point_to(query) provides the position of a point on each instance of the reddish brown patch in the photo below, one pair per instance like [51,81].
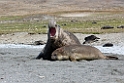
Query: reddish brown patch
[52,31]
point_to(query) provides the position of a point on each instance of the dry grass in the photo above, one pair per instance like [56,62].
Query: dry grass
[96,30]
[29,23]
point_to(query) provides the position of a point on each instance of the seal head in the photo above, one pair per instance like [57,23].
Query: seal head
[54,30]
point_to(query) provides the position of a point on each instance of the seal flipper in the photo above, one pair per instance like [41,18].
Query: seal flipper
[40,55]
[112,57]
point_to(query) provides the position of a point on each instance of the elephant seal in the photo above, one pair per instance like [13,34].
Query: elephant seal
[57,38]
[79,52]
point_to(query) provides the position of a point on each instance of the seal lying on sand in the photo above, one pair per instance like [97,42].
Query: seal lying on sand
[57,38]
[79,52]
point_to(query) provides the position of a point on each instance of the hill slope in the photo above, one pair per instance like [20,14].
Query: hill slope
[23,7]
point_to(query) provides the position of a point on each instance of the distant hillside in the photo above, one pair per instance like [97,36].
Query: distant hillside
[23,7]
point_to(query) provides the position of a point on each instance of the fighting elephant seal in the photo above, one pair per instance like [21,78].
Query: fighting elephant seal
[57,38]
[79,52]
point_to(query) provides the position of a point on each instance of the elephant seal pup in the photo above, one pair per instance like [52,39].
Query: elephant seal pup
[79,52]
[57,38]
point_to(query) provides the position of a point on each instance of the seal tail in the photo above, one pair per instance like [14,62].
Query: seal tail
[112,58]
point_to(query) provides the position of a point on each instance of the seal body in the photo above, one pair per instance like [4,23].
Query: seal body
[57,38]
[78,52]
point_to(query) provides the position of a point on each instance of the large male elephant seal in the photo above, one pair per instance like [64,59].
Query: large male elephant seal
[78,52]
[57,38]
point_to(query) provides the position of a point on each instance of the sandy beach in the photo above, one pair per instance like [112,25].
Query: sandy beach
[18,65]
[17,52]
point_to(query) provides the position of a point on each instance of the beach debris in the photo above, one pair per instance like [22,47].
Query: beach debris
[42,76]
[94,22]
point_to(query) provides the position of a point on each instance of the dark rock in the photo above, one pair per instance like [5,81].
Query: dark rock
[31,33]
[94,22]
[74,21]
[64,24]
[90,39]
[107,27]
[39,42]
[44,26]
[120,26]
[108,45]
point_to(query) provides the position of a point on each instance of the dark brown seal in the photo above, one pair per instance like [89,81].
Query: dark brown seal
[90,39]
[79,52]
[57,38]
